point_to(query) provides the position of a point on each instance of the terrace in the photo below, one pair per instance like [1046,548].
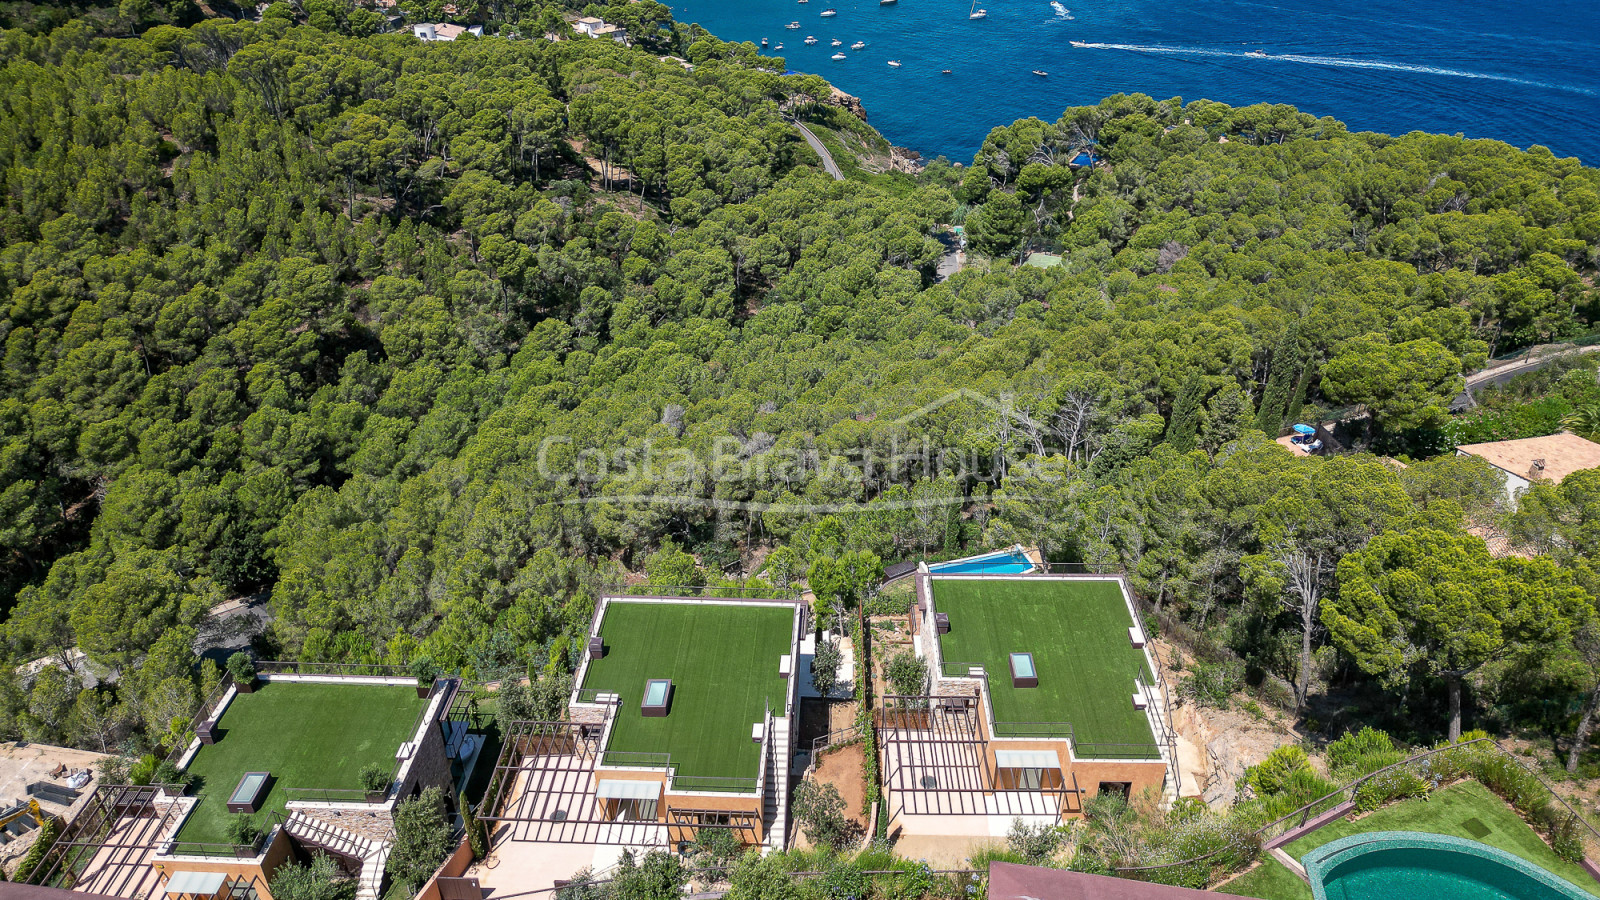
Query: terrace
[306,736]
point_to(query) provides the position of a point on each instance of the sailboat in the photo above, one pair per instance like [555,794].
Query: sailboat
[976,12]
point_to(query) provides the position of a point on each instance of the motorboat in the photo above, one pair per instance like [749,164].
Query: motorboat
[1041,74]
[1257,53]
[859,45]
[778,46]
[837,42]
[793,26]
[810,40]
[944,71]
[1079,44]
[894,63]
[840,56]
[829,13]
[763,42]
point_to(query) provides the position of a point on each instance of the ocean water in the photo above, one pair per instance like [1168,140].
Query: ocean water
[1525,73]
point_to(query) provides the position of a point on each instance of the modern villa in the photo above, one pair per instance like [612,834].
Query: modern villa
[1042,695]
[288,752]
[679,721]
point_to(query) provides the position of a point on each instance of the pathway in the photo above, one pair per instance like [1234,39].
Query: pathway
[828,164]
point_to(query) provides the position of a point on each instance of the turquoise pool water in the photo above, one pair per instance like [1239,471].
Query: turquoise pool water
[1416,866]
[1006,561]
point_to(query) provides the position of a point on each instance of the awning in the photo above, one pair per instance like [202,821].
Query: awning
[1026,759]
[196,882]
[629,790]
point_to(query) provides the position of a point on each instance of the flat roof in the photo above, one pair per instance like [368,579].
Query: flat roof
[305,735]
[722,659]
[1562,453]
[1077,631]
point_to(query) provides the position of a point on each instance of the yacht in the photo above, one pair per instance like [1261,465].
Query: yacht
[887,2]
[944,71]
[894,63]
[778,46]
[810,40]
[793,26]
[839,56]
[829,13]
[1079,44]
[1041,74]
[837,42]
[1257,52]
[859,45]
[763,42]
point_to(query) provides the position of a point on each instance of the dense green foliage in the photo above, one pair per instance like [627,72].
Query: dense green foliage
[432,341]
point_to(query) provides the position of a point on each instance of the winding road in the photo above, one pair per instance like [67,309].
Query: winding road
[828,164]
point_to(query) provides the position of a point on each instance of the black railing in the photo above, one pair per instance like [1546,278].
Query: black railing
[291,667]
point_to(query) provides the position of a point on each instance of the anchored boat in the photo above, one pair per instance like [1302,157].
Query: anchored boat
[829,13]
[839,56]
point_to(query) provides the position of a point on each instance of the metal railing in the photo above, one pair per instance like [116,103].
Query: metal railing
[336,795]
[291,667]
[1129,750]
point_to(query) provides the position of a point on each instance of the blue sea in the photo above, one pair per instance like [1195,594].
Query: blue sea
[1525,73]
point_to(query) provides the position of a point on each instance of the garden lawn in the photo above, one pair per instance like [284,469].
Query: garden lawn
[723,661]
[1077,632]
[1268,881]
[306,735]
[1466,810]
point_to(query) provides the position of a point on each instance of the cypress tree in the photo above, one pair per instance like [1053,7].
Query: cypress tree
[1301,387]
[1275,396]
[1184,427]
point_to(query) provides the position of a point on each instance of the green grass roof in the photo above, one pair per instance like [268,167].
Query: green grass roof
[306,735]
[1077,632]
[723,662]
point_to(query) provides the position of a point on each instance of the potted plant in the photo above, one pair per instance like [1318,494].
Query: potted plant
[375,781]
[242,669]
[427,671]
[244,834]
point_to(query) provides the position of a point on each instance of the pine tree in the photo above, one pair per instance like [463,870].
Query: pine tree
[1184,427]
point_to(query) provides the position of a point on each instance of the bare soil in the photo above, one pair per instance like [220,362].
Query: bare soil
[842,769]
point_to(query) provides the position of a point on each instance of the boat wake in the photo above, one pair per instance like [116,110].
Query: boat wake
[1334,61]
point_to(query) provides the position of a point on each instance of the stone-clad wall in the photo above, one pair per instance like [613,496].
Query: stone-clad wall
[430,767]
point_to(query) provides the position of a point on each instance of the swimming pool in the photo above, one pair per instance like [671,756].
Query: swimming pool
[1418,866]
[1012,561]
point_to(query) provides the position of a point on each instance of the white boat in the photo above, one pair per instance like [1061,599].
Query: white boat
[763,42]
[810,40]
[1258,53]
[894,63]
[840,56]
[837,42]
[1078,43]
[859,45]
[793,26]
[829,13]
[887,2]
[944,71]
[779,46]
[1061,11]
[976,12]
[1041,74]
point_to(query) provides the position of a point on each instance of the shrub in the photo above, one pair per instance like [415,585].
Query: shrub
[318,881]
[477,835]
[842,880]
[241,668]
[658,874]
[715,847]
[1565,836]
[1034,843]
[425,670]
[144,770]
[825,665]
[1271,775]
[48,832]
[243,830]
[1213,683]
[907,675]
[820,811]
[1395,784]
[421,839]
[1358,753]
[375,777]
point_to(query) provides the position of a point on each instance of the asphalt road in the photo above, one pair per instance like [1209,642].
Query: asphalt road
[828,164]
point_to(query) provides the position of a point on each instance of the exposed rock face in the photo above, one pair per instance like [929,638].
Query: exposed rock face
[902,159]
[853,104]
[1232,742]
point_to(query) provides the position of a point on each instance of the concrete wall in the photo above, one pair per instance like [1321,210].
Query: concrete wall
[257,871]
[454,865]
[745,803]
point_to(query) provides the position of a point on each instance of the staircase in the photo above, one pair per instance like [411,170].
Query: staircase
[775,827]
[372,855]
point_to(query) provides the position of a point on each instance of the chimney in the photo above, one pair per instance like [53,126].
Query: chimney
[1536,471]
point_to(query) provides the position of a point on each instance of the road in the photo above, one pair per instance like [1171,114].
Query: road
[1503,373]
[828,164]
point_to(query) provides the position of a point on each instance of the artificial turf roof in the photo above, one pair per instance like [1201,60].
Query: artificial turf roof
[723,662]
[306,735]
[1077,632]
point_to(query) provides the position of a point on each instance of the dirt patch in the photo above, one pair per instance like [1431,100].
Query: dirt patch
[842,769]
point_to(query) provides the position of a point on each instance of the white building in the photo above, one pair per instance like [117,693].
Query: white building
[444,31]
[600,28]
